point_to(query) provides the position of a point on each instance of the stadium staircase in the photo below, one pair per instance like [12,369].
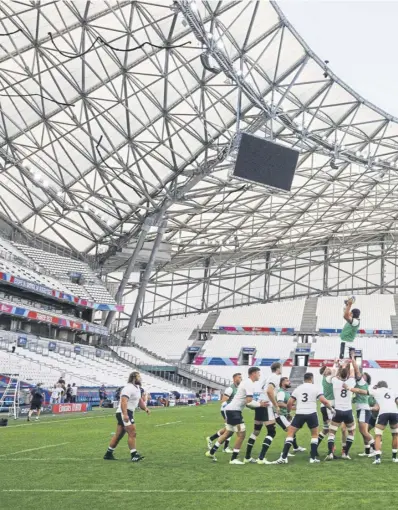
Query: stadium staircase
[309,319]
[394,318]
[297,376]
[199,340]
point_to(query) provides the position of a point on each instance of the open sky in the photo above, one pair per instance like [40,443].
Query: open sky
[359,38]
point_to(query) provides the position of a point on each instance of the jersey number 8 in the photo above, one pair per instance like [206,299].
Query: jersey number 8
[343,393]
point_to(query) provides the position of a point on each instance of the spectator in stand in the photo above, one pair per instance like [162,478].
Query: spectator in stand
[68,395]
[54,395]
[13,346]
[74,393]
[62,391]
[102,394]
[36,402]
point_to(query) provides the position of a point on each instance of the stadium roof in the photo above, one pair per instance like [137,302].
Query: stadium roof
[96,136]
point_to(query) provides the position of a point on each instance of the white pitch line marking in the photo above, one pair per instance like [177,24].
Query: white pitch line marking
[62,420]
[215,491]
[34,449]
[168,423]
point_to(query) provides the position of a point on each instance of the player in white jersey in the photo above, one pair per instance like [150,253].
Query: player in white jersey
[130,399]
[266,415]
[343,407]
[305,397]
[387,400]
[233,411]
[227,397]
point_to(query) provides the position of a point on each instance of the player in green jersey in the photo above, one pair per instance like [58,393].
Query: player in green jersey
[362,407]
[351,327]
[227,397]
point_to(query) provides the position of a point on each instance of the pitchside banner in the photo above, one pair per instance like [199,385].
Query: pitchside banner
[70,408]
[24,410]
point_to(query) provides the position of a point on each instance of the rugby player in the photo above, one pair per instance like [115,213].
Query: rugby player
[351,327]
[233,411]
[284,418]
[387,400]
[130,398]
[227,397]
[343,407]
[361,402]
[266,415]
[305,397]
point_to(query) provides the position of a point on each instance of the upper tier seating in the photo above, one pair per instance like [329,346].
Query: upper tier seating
[376,311]
[33,276]
[60,267]
[268,346]
[279,314]
[168,339]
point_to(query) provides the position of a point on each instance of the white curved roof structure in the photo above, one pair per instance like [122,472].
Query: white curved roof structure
[99,129]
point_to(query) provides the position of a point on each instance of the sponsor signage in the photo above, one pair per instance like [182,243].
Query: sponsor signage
[98,353]
[70,408]
[52,319]
[22,341]
[46,409]
[194,349]
[77,349]
[303,350]
[248,350]
[56,294]
[52,346]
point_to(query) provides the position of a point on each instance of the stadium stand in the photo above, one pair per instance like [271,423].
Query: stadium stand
[168,339]
[61,267]
[141,356]
[373,348]
[376,311]
[267,346]
[286,314]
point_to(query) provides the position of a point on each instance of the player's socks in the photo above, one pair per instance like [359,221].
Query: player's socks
[250,444]
[226,443]
[109,454]
[344,448]
[266,444]
[288,444]
[350,440]
[367,449]
[133,452]
[321,437]
[342,349]
[372,444]
[215,447]
[215,436]
[330,445]
[295,445]
[235,454]
[378,454]
[394,454]
[314,448]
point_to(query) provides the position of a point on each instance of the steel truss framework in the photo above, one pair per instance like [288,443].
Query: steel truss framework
[96,138]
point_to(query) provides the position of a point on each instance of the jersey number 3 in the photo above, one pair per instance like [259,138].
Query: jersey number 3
[305,397]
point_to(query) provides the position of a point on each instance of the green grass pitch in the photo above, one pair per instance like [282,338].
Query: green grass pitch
[57,464]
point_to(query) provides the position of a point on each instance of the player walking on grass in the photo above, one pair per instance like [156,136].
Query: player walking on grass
[229,394]
[387,400]
[351,327]
[343,407]
[130,398]
[361,402]
[305,397]
[233,411]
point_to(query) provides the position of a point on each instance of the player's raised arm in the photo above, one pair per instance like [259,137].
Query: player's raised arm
[347,311]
